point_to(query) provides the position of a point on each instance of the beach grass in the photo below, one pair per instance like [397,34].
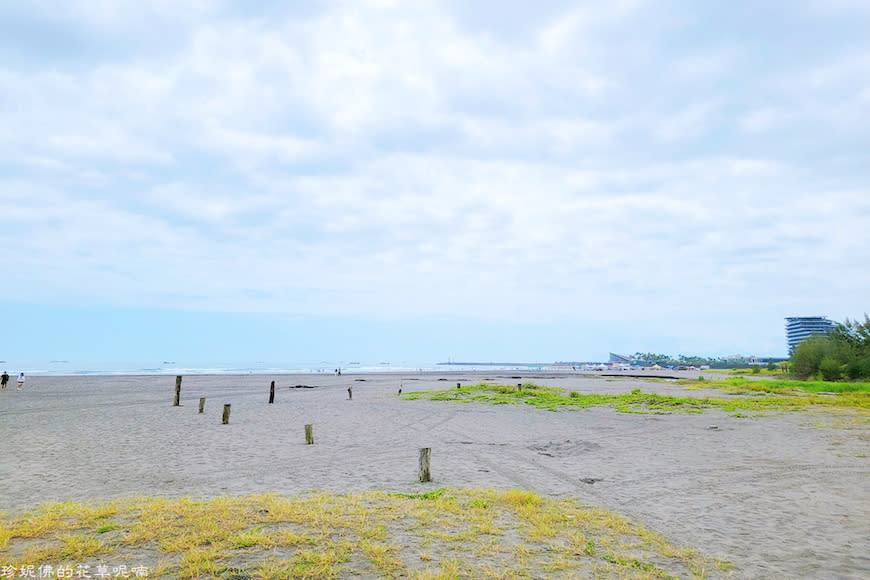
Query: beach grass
[444,533]
[780,386]
[761,370]
[637,401]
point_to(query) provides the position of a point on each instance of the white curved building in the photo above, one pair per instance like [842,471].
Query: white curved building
[799,328]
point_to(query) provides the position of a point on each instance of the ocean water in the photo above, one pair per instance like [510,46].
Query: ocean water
[71,368]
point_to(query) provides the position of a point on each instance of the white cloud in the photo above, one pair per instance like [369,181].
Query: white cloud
[839,7]
[113,16]
[707,66]
[690,123]
[763,120]
[390,160]
[566,30]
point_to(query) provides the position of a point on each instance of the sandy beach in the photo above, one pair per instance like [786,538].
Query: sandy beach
[777,496]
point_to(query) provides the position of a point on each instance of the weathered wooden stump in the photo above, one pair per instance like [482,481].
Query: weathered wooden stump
[177,391]
[309,434]
[425,454]
[458,385]
[201,404]
[272,393]
[519,386]
[226,417]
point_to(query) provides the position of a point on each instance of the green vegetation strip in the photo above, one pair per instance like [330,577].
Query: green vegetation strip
[780,386]
[445,533]
[552,398]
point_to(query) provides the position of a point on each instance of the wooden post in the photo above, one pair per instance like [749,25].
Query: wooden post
[177,391]
[226,418]
[201,404]
[272,393]
[350,393]
[309,434]
[457,385]
[425,454]
[519,386]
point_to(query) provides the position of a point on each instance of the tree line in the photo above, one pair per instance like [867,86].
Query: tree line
[650,358]
[844,353]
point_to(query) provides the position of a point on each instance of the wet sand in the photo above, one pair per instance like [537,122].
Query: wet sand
[777,496]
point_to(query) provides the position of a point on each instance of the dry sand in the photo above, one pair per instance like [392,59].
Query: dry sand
[777,496]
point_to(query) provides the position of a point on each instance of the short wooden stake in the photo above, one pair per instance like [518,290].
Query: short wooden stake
[457,385]
[226,418]
[177,391]
[201,404]
[350,392]
[519,386]
[309,434]
[272,393]
[425,454]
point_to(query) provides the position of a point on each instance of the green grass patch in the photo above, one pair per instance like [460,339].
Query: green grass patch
[762,371]
[452,534]
[783,386]
[434,494]
[551,398]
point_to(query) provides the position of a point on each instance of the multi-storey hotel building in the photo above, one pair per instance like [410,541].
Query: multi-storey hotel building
[799,328]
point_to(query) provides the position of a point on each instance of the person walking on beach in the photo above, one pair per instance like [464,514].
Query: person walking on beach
[4,380]
[20,380]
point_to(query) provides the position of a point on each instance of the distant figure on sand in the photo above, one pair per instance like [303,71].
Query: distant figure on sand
[350,392]
[20,381]
[4,379]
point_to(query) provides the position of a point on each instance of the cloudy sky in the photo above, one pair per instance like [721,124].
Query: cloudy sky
[379,180]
